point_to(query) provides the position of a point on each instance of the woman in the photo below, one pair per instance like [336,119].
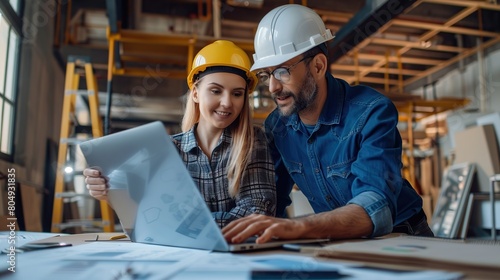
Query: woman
[226,155]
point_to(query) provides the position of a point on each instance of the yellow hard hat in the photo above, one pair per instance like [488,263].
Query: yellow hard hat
[222,56]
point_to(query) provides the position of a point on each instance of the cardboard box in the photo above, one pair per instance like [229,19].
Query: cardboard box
[427,206]
[426,176]
[478,144]
[32,208]
[493,119]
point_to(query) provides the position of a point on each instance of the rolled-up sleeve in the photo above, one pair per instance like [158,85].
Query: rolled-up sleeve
[376,207]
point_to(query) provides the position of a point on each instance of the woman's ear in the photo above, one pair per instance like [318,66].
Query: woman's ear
[194,93]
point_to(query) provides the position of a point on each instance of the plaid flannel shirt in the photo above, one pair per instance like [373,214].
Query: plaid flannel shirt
[257,193]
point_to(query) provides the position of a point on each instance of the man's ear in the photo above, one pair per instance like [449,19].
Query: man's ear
[320,64]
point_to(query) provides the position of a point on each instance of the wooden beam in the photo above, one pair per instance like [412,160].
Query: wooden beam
[419,109]
[344,67]
[141,72]
[436,28]
[177,60]
[408,60]
[415,45]
[241,24]
[351,79]
[334,16]
[433,27]
[480,4]
[134,36]
[139,46]
[455,59]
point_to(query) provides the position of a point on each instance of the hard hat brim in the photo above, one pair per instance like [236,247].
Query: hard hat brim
[272,61]
[275,60]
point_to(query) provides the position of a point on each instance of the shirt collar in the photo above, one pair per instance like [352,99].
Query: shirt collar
[189,139]
[332,109]
[335,98]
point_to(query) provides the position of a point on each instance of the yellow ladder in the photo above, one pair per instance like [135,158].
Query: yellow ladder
[77,65]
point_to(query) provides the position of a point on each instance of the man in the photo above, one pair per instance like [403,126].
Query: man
[338,143]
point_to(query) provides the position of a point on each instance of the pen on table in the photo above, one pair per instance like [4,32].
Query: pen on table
[92,240]
[292,247]
[116,237]
[302,248]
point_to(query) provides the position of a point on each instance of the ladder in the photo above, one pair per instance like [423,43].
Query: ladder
[77,66]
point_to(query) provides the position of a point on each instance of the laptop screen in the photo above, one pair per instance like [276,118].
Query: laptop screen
[151,191]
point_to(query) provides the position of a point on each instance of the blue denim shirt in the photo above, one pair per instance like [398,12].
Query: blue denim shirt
[351,156]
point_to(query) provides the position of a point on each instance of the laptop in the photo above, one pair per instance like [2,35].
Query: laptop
[153,194]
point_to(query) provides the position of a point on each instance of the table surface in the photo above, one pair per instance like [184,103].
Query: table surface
[77,239]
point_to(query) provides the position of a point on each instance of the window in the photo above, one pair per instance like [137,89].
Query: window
[9,60]
[15,5]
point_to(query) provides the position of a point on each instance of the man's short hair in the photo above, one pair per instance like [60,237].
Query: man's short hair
[321,48]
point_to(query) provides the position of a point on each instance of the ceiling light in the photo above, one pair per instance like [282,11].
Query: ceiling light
[246,3]
[68,169]
[426,44]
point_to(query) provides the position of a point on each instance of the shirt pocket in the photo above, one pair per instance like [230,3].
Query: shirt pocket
[296,171]
[340,177]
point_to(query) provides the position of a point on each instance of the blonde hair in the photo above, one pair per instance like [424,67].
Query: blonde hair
[242,138]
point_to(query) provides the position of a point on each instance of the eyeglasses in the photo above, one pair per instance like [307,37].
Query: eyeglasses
[281,74]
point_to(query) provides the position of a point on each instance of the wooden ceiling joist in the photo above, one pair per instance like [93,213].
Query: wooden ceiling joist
[436,28]
[414,45]
[483,4]
[463,55]
[353,68]
[423,42]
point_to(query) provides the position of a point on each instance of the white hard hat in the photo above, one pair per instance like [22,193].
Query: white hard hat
[285,32]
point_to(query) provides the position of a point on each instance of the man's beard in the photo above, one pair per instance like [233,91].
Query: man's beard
[306,96]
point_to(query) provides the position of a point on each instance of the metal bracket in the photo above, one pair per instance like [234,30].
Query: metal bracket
[493,180]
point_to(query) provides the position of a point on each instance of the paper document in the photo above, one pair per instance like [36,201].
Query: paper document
[22,237]
[105,260]
[419,251]
[218,266]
